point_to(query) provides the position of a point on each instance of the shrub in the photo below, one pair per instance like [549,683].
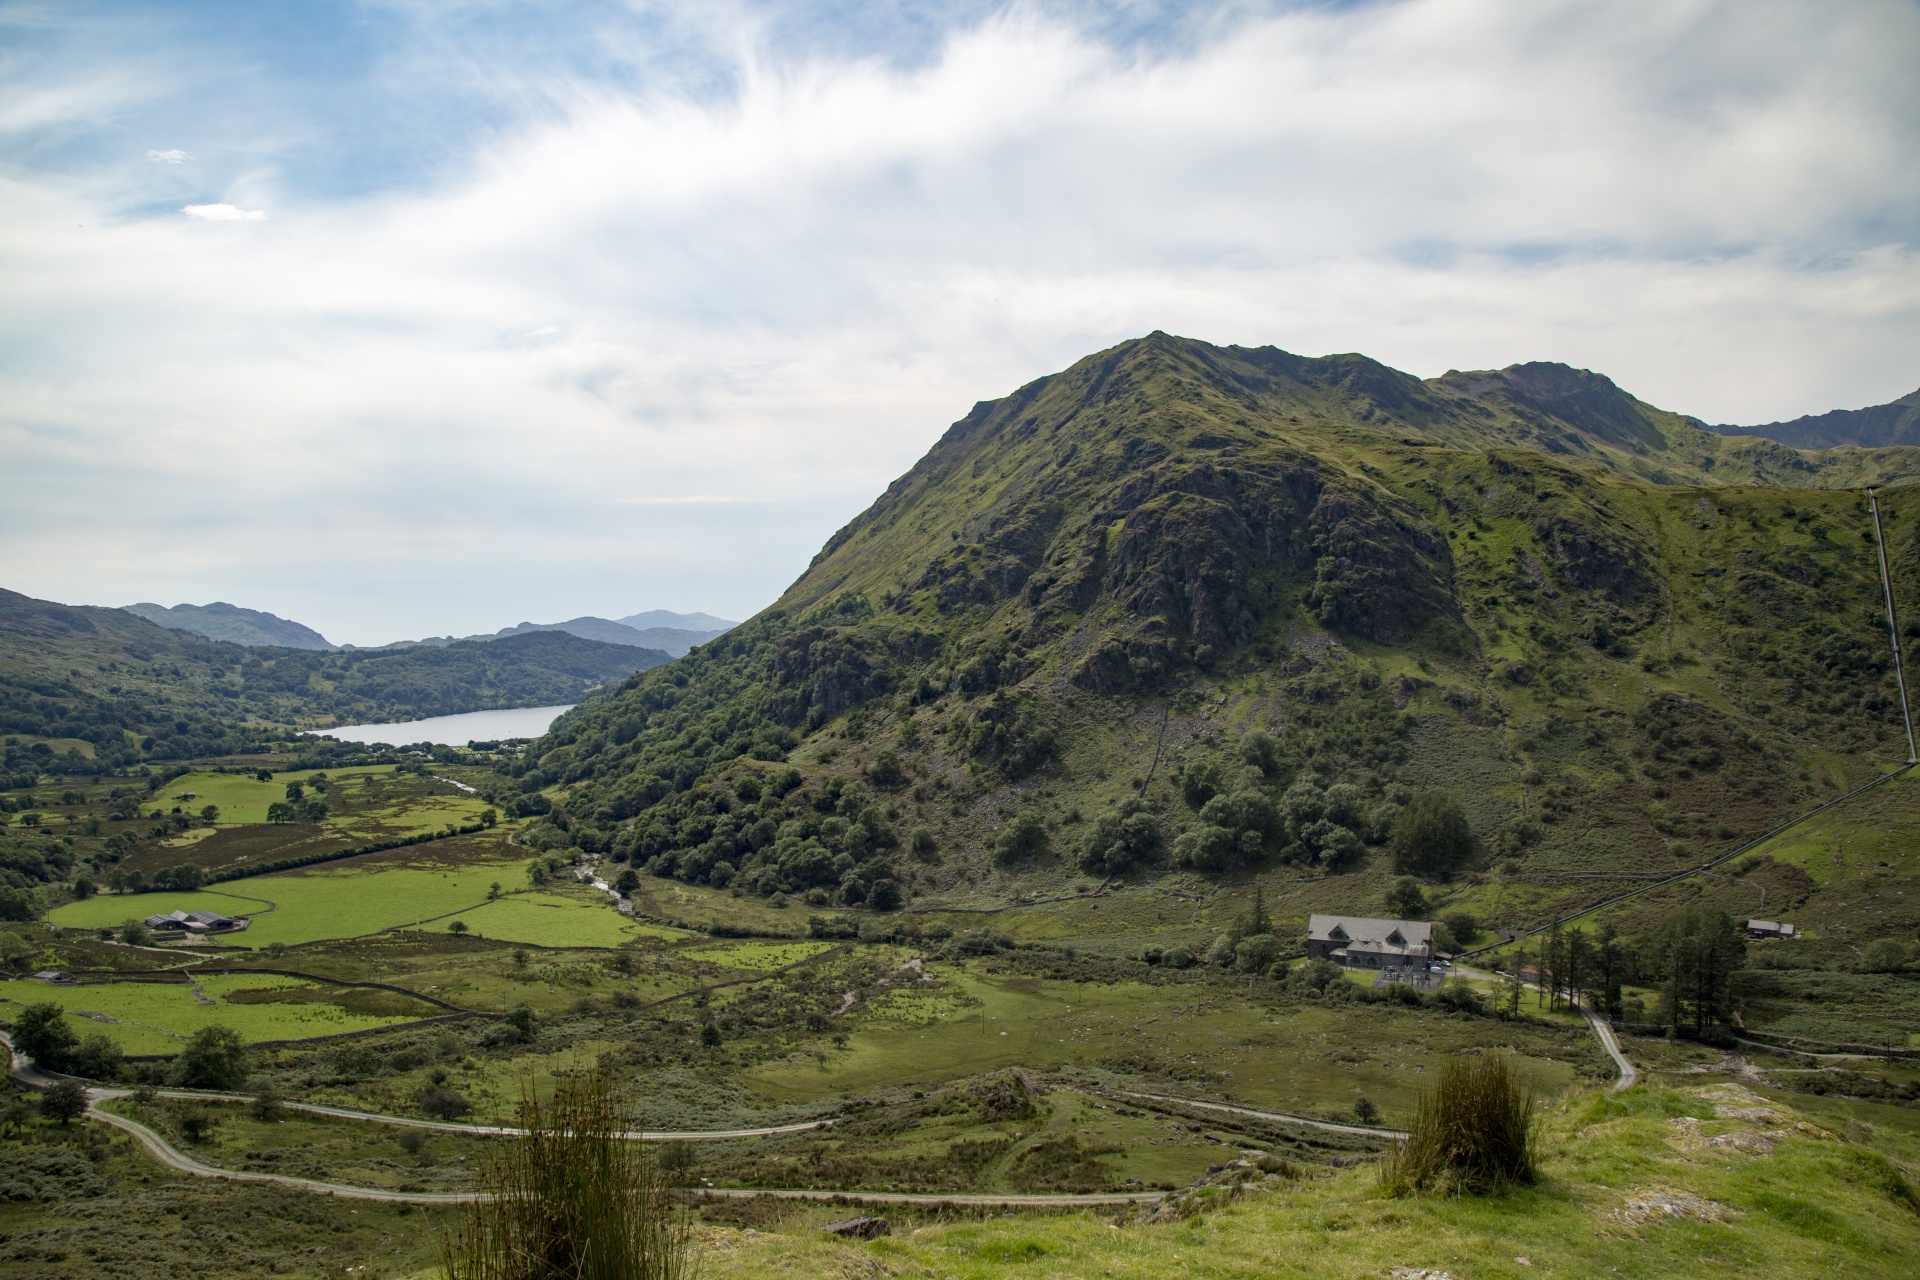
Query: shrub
[1884,955]
[1257,953]
[1177,958]
[1473,1132]
[1023,839]
[573,1197]
[1119,840]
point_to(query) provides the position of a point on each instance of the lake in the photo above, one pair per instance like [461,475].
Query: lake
[454,731]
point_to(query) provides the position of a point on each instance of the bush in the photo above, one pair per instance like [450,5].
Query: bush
[1119,840]
[1257,953]
[1023,839]
[1473,1132]
[571,1198]
[1884,955]
[1177,958]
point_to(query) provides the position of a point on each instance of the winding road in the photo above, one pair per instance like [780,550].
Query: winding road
[28,1076]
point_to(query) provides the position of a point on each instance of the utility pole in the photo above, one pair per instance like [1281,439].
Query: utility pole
[1893,626]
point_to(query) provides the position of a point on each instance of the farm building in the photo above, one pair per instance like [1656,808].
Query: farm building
[1360,943]
[1770,929]
[192,922]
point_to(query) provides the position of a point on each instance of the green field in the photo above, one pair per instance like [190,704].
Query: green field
[315,905]
[153,1017]
[368,800]
[757,956]
[549,920]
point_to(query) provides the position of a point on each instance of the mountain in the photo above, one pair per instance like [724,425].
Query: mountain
[1897,423]
[222,621]
[1198,611]
[120,689]
[673,641]
[677,621]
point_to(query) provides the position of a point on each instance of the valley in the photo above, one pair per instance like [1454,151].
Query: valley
[995,843]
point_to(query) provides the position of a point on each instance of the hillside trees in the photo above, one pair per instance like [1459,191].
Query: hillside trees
[1431,837]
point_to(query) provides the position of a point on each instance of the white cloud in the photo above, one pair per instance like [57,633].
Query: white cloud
[171,156]
[650,351]
[223,213]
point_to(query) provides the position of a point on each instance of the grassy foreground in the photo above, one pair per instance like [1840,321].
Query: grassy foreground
[1714,1181]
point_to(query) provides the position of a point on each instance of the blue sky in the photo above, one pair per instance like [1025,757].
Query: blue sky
[408,318]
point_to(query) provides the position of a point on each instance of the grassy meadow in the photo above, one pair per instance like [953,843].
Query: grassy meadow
[158,1017]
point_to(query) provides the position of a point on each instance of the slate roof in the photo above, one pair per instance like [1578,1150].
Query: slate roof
[1360,935]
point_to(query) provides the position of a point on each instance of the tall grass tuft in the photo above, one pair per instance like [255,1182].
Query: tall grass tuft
[1474,1132]
[572,1200]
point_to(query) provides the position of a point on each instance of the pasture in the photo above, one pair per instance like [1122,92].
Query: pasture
[1308,1058]
[157,1017]
[371,801]
[322,903]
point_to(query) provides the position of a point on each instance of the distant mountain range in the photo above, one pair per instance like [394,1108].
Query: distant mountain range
[223,621]
[1882,425]
[670,633]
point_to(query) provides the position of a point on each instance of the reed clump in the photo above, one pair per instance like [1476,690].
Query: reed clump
[575,1199]
[1474,1132]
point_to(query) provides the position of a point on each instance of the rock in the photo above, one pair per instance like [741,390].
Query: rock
[860,1228]
[1663,1204]
[1419,1273]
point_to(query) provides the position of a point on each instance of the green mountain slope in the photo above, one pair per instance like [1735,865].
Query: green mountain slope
[1309,588]
[131,690]
[223,621]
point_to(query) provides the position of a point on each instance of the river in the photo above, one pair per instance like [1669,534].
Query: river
[454,731]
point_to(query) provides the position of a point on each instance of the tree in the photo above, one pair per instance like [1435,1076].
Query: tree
[626,882]
[457,927]
[443,1103]
[520,1018]
[885,895]
[134,934]
[1702,949]
[42,1034]
[84,888]
[210,814]
[1430,837]
[215,1058]
[1406,900]
[97,1058]
[520,957]
[1023,839]
[885,771]
[65,1101]
[489,817]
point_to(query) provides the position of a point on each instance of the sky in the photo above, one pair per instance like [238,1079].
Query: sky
[416,317]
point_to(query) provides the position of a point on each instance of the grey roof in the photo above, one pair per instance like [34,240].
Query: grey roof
[1365,935]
